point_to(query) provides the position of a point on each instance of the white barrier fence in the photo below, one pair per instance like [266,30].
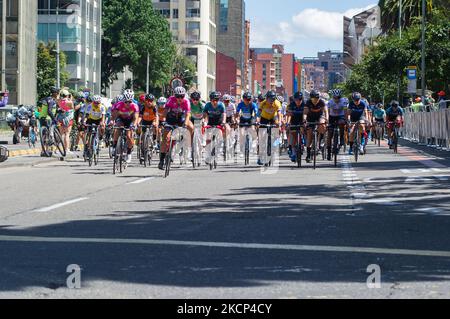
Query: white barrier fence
[428,128]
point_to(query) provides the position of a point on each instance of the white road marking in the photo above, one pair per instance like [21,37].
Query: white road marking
[386,202]
[53,207]
[140,181]
[343,249]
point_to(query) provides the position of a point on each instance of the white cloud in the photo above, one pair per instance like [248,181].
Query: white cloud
[307,24]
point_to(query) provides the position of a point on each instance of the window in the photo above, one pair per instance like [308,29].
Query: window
[223,15]
[192,31]
[175,14]
[192,13]
[165,13]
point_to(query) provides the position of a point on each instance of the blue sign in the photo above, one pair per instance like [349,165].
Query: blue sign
[411,74]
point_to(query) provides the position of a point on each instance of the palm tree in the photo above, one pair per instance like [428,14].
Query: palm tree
[411,9]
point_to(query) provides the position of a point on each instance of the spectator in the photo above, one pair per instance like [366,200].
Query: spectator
[417,106]
[442,101]
[4,99]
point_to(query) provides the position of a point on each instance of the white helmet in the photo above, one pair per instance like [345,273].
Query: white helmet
[180,91]
[128,95]
[162,100]
[97,99]
[226,97]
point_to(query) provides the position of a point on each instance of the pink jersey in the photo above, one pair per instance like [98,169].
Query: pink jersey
[173,106]
[124,111]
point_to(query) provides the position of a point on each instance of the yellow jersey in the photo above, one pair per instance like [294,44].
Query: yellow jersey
[269,111]
[95,112]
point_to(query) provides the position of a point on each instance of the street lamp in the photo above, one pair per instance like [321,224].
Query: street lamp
[58,71]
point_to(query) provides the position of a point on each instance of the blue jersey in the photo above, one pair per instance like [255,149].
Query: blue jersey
[214,113]
[392,114]
[339,108]
[247,112]
[357,112]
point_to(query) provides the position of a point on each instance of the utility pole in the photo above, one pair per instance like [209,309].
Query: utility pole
[424,12]
[148,73]
[58,71]
[400,14]
[4,46]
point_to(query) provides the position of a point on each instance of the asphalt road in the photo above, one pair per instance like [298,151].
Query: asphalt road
[235,232]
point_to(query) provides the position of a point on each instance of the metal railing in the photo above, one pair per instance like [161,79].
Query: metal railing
[430,126]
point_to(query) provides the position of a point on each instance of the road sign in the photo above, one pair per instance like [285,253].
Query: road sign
[176,82]
[411,74]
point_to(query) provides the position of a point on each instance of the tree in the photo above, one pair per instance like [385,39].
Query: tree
[185,69]
[46,68]
[132,28]
[379,70]
[410,10]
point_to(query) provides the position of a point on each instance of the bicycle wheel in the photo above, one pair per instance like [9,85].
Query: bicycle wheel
[356,145]
[247,150]
[32,138]
[144,149]
[150,149]
[116,159]
[299,150]
[121,152]
[96,148]
[335,146]
[395,140]
[59,142]
[45,137]
[168,160]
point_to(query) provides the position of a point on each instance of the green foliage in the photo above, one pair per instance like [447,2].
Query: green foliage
[387,60]
[131,30]
[184,68]
[46,69]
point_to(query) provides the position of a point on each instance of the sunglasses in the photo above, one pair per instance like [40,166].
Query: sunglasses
[247,99]
[215,100]
[179,96]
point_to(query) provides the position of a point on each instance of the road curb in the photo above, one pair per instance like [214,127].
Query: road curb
[17,153]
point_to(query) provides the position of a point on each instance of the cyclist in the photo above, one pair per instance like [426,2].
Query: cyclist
[230,108]
[65,116]
[315,112]
[246,113]
[196,107]
[126,114]
[95,114]
[269,114]
[161,106]
[261,99]
[79,109]
[337,107]
[294,117]
[214,114]
[394,115]
[378,116]
[177,113]
[358,112]
[149,114]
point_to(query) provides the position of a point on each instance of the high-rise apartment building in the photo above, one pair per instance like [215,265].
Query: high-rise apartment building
[193,26]
[79,25]
[18,50]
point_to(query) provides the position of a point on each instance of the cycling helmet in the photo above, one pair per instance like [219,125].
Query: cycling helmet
[97,99]
[336,93]
[280,99]
[395,104]
[180,91]
[149,97]
[261,98]
[128,95]
[314,94]
[227,97]
[356,96]
[298,96]
[54,90]
[214,95]
[247,96]
[162,100]
[271,95]
[195,95]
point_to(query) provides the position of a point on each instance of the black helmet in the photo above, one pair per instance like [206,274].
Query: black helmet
[247,96]
[314,94]
[54,89]
[271,95]
[150,97]
[195,95]
[214,95]
[356,96]
[395,104]
[261,97]
[298,96]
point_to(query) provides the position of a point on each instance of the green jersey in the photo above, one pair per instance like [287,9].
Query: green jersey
[197,110]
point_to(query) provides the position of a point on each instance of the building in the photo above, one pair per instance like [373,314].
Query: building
[273,69]
[79,25]
[332,62]
[19,50]
[246,71]
[360,31]
[193,26]
[315,78]
[229,76]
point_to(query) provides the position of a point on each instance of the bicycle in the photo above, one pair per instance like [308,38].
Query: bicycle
[268,161]
[379,132]
[50,136]
[109,140]
[32,136]
[214,144]
[336,146]
[146,147]
[92,151]
[120,153]
[315,141]
[196,149]
[247,143]
[394,135]
[172,144]
[299,148]
[357,137]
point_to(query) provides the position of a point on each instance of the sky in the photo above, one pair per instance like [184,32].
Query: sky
[305,27]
